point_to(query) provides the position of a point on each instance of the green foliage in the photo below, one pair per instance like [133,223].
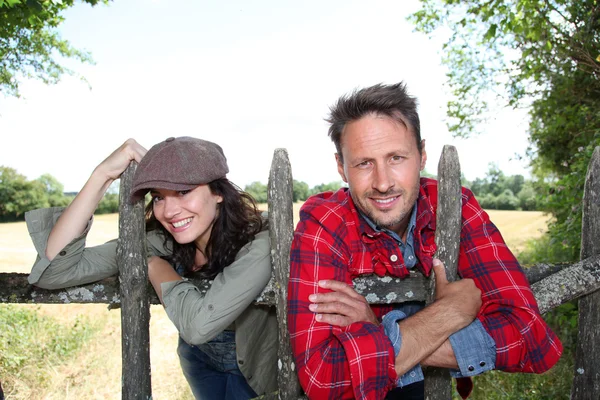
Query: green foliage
[301,191]
[326,187]
[109,204]
[541,54]
[29,342]
[257,190]
[18,195]
[30,45]
[499,192]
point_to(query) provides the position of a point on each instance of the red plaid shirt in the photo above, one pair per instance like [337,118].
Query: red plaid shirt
[332,241]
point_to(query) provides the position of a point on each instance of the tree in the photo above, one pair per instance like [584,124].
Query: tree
[326,187]
[301,191]
[540,54]
[30,45]
[54,190]
[257,190]
[18,195]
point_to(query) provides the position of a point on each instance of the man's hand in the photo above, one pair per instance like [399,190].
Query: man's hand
[341,307]
[463,295]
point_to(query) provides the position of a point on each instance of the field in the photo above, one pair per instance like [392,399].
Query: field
[94,373]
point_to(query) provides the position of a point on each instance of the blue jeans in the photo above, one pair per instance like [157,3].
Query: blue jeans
[211,369]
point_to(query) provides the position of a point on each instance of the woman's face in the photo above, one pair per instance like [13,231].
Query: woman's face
[187,215]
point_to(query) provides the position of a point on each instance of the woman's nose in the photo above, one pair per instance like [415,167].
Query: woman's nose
[172,207]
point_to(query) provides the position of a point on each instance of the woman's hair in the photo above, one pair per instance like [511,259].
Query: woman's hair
[238,221]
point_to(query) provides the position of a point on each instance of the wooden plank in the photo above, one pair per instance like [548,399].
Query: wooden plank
[586,378]
[281,230]
[133,282]
[438,384]
[551,288]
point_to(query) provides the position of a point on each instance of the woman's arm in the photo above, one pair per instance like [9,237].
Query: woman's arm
[74,219]
[198,316]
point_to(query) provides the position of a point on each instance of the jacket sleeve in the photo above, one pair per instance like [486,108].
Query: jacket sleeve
[75,264]
[356,361]
[200,317]
[509,311]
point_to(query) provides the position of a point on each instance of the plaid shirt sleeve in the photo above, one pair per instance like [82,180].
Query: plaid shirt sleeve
[509,312]
[356,361]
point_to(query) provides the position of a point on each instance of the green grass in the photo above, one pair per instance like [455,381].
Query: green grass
[31,345]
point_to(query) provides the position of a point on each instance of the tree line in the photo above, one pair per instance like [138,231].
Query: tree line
[18,195]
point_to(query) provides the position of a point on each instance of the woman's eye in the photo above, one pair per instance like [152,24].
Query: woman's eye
[156,199]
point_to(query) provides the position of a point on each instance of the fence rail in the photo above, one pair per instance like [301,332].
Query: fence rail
[552,284]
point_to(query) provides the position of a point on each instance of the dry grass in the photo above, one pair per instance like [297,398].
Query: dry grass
[517,227]
[96,372]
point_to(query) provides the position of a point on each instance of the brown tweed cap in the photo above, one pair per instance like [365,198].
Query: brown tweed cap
[181,163]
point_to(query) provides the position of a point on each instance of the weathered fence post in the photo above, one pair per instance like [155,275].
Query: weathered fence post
[586,379]
[447,238]
[281,230]
[133,282]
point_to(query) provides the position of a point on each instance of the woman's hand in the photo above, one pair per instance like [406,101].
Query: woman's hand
[114,165]
[74,219]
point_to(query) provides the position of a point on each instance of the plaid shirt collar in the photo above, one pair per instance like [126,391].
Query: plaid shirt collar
[424,222]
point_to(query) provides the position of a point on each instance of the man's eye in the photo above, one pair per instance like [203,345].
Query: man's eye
[363,164]
[184,192]
[397,158]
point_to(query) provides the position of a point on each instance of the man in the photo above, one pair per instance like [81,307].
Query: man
[384,223]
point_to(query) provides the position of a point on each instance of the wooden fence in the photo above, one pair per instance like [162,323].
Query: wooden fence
[552,284]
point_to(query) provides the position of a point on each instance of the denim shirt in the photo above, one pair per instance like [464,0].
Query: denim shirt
[473,347]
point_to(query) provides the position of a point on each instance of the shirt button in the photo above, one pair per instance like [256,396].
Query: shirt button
[241,362]
[413,374]
[394,258]
[411,258]
[62,253]
[482,363]
[471,368]
[211,307]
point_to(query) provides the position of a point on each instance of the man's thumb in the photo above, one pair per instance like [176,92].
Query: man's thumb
[440,272]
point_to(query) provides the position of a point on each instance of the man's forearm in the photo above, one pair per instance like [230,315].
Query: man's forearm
[442,357]
[425,334]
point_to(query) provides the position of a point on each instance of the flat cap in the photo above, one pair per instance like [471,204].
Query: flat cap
[181,163]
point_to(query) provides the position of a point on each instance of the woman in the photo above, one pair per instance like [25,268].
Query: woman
[197,221]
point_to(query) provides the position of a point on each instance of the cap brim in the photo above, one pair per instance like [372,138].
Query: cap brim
[139,191]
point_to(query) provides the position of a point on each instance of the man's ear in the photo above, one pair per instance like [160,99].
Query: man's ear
[423,155]
[340,166]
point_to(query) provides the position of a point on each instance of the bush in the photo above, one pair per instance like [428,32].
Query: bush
[109,204]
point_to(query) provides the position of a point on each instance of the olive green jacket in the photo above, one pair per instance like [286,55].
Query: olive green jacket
[198,317]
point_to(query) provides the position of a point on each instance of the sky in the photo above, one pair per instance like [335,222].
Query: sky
[251,76]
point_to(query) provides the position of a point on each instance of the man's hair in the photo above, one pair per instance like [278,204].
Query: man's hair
[390,100]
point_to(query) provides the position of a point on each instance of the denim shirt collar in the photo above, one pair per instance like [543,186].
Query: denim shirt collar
[412,223]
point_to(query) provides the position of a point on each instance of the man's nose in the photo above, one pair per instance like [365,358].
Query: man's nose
[382,180]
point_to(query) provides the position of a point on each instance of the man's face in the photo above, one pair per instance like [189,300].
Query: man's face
[382,164]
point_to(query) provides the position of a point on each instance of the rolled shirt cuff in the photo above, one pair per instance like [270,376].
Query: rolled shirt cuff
[392,331]
[474,349]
